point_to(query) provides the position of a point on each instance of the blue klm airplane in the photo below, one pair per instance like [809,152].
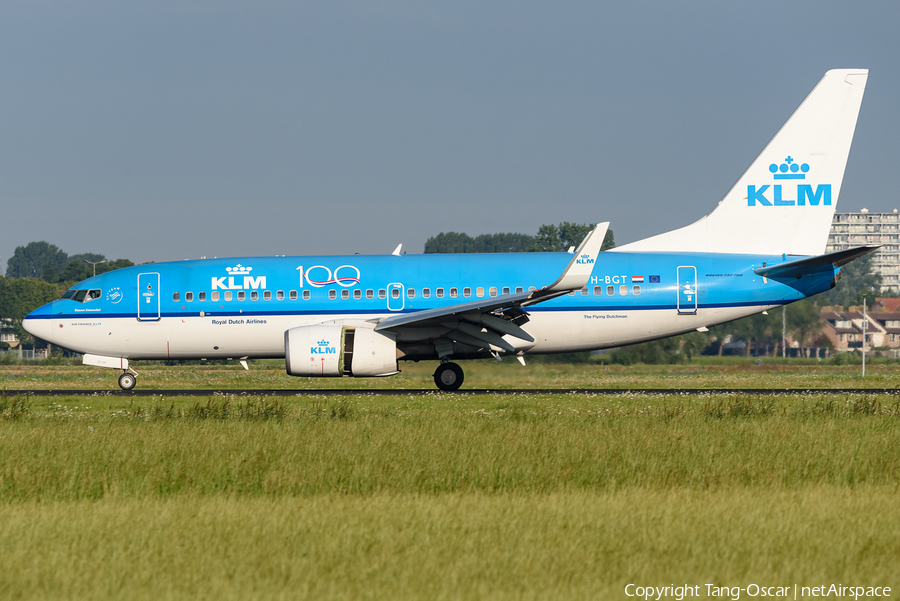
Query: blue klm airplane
[336,316]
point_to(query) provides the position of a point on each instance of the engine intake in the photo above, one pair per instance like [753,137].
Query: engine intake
[335,351]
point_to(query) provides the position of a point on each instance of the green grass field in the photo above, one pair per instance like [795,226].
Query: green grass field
[448,496]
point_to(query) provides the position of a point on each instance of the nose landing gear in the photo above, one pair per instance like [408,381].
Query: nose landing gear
[127,381]
[448,376]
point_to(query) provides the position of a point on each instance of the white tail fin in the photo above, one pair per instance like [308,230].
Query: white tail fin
[785,201]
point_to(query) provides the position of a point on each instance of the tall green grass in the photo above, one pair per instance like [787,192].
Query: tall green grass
[443,496]
[571,545]
[412,445]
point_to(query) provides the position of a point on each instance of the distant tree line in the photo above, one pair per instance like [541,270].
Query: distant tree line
[40,272]
[48,262]
[549,238]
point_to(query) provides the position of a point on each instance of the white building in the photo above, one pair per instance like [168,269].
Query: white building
[856,229]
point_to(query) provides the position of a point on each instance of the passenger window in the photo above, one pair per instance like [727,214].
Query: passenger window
[467,292]
[332,294]
[293,294]
[241,295]
[411,293]
[571,293]
[215,296]
[493,291]
[636,289]
[279,295]
[623,290]
[176,297]
[479,292]
[201,296]
[370,293]
[439,293]
[357,293]
[426,292]
[395,293]
[531,289]
[345,294]
[519,290]
[228,295]
[584,291]
[306,295]
[610,290]
[598,291]
[254,295]
[453,293]
[189,297]
[506,290]
[267,295]
[382,293]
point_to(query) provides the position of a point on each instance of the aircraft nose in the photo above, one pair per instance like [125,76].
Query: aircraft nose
[39,323]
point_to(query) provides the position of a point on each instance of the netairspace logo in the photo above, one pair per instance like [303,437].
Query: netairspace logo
[803,194]
[734,593]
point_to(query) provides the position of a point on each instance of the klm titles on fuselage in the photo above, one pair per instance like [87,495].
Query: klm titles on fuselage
[249,283]
[804,193]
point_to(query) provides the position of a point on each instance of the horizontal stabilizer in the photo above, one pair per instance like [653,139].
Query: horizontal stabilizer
[810,265]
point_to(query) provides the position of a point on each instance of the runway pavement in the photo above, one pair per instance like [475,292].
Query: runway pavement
[148,392]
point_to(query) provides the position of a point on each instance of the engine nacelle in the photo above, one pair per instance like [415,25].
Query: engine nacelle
[335,351]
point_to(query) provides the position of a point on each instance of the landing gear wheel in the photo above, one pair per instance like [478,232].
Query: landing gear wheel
[448,376]
[127,381]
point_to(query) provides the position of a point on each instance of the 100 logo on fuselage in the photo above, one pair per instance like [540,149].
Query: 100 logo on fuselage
[318,276]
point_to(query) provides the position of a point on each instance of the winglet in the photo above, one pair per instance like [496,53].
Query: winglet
[578,272]
[396,252]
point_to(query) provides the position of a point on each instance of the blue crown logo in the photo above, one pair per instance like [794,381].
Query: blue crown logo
[322,343]
[585,256]
[789,169]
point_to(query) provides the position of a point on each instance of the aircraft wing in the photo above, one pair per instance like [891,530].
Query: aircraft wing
[483,322]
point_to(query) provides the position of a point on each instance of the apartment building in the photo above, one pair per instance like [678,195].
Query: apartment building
[856,229]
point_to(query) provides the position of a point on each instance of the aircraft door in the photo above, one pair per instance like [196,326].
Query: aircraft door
[395,298]
[148,297]
[686,299]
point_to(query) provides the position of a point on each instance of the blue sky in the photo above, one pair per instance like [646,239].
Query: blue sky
[171,130]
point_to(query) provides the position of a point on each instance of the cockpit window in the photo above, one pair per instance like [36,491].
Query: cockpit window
[82,296]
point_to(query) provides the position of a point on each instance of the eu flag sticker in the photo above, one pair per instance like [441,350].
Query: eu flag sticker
[654,279]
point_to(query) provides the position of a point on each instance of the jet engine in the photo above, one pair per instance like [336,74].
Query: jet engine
[335,351]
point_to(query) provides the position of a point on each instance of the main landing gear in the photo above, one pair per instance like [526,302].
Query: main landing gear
[127,381]
[448,376]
